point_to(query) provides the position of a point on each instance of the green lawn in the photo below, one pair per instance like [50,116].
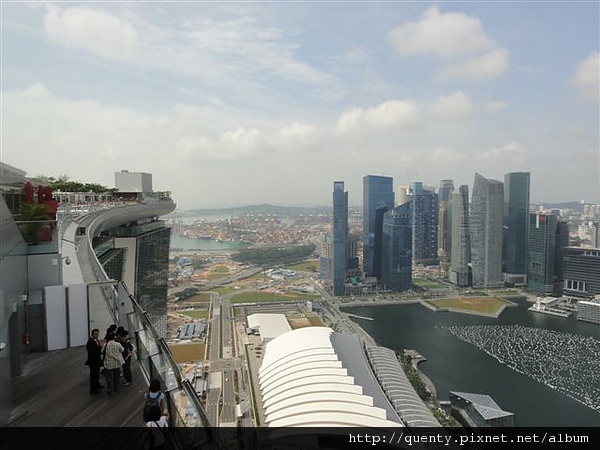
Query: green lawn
[196,314]
[221,290]
[220,269]
[426,283]
[489,305]
[203,297]
[306,266]
[247,297]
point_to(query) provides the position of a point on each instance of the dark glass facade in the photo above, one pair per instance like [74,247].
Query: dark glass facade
[516,220]
[152,274]
[340,236]
[396,266]
[548,237]
[461,238]
[424,225]
[378,194]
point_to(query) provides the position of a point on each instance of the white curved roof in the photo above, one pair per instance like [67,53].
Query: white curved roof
[303,383]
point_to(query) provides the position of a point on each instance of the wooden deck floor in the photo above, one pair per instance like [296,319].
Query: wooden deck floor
[54,392]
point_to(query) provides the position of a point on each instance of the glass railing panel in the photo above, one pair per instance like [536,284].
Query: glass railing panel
[41,236]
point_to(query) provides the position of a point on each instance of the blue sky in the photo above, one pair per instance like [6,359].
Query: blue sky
[231,103]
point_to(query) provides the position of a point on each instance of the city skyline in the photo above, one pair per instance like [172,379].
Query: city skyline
[245,103]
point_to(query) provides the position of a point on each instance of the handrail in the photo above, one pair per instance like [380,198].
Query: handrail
[191,428]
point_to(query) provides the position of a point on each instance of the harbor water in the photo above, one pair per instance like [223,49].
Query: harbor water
[544,369]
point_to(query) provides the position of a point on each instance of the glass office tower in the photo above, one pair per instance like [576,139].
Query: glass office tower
[378,194]
[487,208]
[396,266]
[516,219]
[340,236]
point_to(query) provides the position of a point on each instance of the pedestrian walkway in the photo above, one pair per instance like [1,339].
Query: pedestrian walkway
[53,391]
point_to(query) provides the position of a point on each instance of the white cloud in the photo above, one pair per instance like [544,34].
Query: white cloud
[489,65]
[451,106]
[92,30]
[512,152]
[445,155]
[587,76]
[391,114]
[356,56]
[447,35]
[495,105]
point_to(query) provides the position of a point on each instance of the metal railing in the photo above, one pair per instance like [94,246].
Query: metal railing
[190,427]
[189,424]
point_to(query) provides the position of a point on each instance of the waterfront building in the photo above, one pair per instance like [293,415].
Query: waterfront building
[516,221]
[424,203]
[445,224]
[589,311]
[340,237]
[461,238]
[378,197]
[316,377]
[581,272]
[396,263]
[486,232]
[479,410]
[548,237]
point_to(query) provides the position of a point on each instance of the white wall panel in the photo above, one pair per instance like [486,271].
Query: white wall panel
[78,315]
[55,306]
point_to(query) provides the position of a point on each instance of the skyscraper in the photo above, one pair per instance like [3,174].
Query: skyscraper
[340,236]
[445,223]
[424,224]
[378,194]
[396,263]
[461,238]
[486,231]
[516,219]
[548,237]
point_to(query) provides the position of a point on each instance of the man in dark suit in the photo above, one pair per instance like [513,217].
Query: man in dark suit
[94,361]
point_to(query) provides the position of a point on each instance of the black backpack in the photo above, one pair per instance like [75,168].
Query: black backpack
[151,407]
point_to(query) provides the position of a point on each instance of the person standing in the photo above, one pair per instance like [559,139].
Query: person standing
[127,356]
[94,361]
[113,360]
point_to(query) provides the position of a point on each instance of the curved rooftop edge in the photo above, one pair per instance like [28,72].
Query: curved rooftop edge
[105,219]
[315,377]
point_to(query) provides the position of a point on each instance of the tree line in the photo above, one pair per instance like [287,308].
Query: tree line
[275,256]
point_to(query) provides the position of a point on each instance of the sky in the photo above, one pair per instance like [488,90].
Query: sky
[238,103]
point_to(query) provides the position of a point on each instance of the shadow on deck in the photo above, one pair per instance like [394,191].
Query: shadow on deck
[53,391]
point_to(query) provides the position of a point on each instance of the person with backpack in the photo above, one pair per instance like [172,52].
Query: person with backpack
[154,400]
[154,433]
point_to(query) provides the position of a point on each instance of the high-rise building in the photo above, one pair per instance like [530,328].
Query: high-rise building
[445,224]
[516,220]
[548,237]
[378,194]
[461,238]
[396,265]
[581,272]
[424,214]
[486,232]
[340,236]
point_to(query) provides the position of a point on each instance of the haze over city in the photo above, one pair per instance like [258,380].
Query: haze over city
[237,103]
